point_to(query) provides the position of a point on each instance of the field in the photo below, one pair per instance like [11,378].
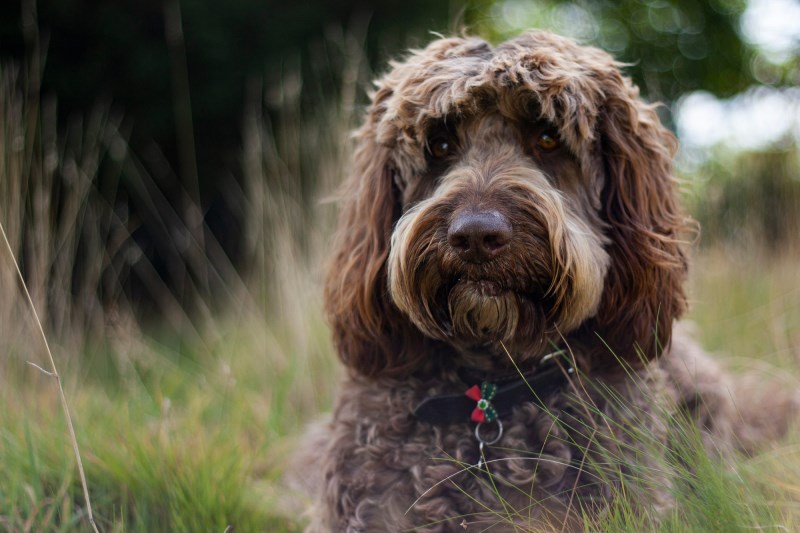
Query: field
[188,428]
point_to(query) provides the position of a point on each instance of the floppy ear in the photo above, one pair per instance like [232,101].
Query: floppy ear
[371,335]
[644,289]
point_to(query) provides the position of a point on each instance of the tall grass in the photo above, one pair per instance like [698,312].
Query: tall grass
[185,431]
[50,212]
[750,199]
[191,430]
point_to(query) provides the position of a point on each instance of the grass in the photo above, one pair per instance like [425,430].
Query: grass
[747,305]
[185,429]
[190,429]
[180,440]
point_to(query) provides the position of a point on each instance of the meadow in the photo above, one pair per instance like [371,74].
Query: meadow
[188,427]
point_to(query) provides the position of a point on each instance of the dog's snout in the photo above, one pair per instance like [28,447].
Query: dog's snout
[478,236]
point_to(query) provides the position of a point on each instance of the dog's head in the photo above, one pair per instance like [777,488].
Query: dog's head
[514,197]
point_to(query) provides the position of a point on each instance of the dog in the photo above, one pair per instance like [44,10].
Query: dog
[504,290]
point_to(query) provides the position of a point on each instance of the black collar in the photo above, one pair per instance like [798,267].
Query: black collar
[502,394]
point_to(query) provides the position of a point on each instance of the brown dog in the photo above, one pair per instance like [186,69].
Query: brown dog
[505,283]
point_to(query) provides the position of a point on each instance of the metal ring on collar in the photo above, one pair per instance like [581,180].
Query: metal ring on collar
[494,440]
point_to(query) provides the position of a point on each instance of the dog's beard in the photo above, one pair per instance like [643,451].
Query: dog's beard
[484,315]
[483,309]
[493,307]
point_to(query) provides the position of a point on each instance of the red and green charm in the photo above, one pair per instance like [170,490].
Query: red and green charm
[483,412]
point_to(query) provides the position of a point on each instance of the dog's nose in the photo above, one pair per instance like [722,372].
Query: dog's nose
[479,236]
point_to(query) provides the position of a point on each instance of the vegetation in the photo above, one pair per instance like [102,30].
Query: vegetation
[672,46]
[186,422]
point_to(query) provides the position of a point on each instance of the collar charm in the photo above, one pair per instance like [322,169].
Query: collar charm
[484,411]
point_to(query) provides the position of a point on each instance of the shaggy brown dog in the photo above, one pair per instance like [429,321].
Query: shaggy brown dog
[505,283]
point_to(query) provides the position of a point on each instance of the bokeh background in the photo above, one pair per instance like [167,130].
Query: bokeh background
[164,166]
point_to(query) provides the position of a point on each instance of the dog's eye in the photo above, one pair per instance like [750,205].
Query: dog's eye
[547,141]
[441,147]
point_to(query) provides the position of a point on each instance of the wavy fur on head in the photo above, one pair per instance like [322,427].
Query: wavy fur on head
[504,201]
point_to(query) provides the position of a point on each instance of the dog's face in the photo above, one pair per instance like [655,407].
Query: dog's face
[500,238]
[508,198]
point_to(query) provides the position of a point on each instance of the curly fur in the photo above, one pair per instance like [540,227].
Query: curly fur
[593,264]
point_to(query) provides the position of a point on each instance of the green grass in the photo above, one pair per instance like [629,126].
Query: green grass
[187,429]
[188,441]
[711,495]
[747,306]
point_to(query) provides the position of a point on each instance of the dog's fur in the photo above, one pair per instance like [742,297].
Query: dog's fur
[545,145]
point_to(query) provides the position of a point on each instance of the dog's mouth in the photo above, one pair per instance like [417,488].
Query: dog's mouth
[485,287]
[483,311]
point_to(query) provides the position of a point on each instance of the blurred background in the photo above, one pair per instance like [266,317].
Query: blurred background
[163,166]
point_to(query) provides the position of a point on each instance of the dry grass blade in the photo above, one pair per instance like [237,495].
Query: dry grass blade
[54,373]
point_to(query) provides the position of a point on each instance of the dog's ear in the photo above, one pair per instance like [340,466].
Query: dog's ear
[372,337]
[644,289]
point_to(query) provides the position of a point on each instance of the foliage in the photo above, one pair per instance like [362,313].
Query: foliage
[136,55]
[188,440]
[183,433]
[750,199]
[672,46]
